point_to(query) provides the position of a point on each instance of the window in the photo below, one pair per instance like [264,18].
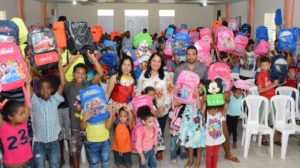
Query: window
[269,22]
[136,21]
[166,17]
[106,19]
[2,15]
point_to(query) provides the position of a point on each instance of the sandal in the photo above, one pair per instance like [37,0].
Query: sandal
[187,164]
[265,142]
[277,143]
[232,158]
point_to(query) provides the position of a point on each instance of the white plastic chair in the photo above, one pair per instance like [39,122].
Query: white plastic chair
[253,90]
[288,91]
[251,124]
[282,105]
[252,82]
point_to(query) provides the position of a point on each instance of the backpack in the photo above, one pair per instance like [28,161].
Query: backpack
[233,24]
[141,100]
[246,29]
[161,43]
[13,69]
[220,70]
[242,84]
[213,89]
[194,37]
[286,40]
[97,33]
[170,31]
[23,32]
[176,117]
[224,39]
[262,48]
[117,121]
[168,47]
[114,34]
[262,33]
[181,43]
[185,86]
[215,25]
[138,126]
[203,48]
[109,55]
[240,44]
[93,98]
[279,69]
[42,48]
[278,17]
[138,70]
[205,34]
[9,32]
[58,29]
[79,37]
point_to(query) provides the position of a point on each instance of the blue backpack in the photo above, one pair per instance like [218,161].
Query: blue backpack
[246,29]
[181,43]
[287,39]
[93,98]
[262,33]
[138,70]
[278,17]
[9,32]
[279,69]
[170,31]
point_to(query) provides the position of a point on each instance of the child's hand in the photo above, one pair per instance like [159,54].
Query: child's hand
[89,114]
[276,82]
[143,160]
[74,57]
[161,111]
[155,149]
[28,79]
[109,108]
[91,56]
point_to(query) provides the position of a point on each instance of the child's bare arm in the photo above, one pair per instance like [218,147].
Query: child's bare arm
[97,67]
[227,97]
[62,78]
[109,122]
[262,90]
[29,92]
[86,116]
[110,86]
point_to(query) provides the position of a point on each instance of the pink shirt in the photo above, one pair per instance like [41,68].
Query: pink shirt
[15,142]
[145,139]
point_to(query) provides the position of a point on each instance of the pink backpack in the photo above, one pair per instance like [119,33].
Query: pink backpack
[220,70]
[141,100]
[233,24]
[262,48]
[168,47]
[203,48]
[176,117]
[138,126]
[205,34]
[242,84]
[13,69]
[240,43]
[185,86]
[224,39]
[194,37]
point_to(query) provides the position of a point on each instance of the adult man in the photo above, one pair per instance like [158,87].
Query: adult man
[127,42]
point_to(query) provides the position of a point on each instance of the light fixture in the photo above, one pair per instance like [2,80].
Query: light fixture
[204,2]
[74,2]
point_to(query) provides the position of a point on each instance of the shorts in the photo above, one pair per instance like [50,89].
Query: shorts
[64,122]
[122,159]
[77,140]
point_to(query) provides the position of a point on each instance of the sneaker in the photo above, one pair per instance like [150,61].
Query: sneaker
[174,161]
[234,146]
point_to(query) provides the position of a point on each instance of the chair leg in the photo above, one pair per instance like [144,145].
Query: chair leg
[254,138]
[271,144]
[259,139]
[243,138]
[284,143]
[247,144]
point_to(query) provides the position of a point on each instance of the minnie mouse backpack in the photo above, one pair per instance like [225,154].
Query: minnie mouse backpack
[42,47]
[93,98]
[13,69]
[220,70]
[213,89]
[181,43]
[141,100]
[168,48]
[205,34]
[203,48]
[225,41]
[240,43]
[185,86]
[262,48]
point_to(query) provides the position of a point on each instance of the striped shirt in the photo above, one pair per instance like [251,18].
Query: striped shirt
[145,139]
[44,114]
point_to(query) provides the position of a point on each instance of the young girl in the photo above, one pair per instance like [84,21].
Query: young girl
[14,133]
[121,144]
[234,101]
[150,91]
[146,138]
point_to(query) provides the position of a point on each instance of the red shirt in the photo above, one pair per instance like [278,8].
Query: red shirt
[291,82]
[263,80]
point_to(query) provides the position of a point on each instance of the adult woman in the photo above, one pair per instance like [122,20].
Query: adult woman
[156,77]
[121,85]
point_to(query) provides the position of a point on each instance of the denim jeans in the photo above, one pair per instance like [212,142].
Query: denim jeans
[50,150]
[174,147]
[98,152]
[151,161]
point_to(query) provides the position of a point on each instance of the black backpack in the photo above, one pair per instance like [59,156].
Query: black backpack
[246,29]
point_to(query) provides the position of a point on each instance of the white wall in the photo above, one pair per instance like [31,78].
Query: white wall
[190,14]
[240,9]
[10,6]
[222,8]
[33,12]
[265,6]
[297,14]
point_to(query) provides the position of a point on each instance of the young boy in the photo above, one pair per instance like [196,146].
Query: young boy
[98,145]
[45,122]
[72,91]
[265,87]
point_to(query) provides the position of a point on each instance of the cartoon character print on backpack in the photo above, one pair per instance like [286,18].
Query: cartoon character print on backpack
[287,40]
[279,69]
[9,32]
[181,43]
[213,90]
[220,70]
[203,48]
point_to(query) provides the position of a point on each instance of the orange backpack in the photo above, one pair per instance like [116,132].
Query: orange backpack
[114,34]
[60,35]
[97,32]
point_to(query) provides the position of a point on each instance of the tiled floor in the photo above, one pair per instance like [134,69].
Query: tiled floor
[258,157]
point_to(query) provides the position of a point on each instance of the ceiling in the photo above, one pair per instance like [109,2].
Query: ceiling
[209,2]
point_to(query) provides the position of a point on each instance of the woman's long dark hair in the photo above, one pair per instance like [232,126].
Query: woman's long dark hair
[120,73]
[161,73]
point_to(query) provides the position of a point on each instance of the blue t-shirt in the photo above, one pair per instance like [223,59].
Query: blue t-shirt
[234,106]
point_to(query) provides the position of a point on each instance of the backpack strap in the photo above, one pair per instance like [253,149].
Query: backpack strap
[116,123]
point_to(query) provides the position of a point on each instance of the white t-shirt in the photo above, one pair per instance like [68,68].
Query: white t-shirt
[214,131]
[249,70]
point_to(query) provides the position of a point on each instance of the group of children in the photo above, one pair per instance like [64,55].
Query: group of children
[136,120]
